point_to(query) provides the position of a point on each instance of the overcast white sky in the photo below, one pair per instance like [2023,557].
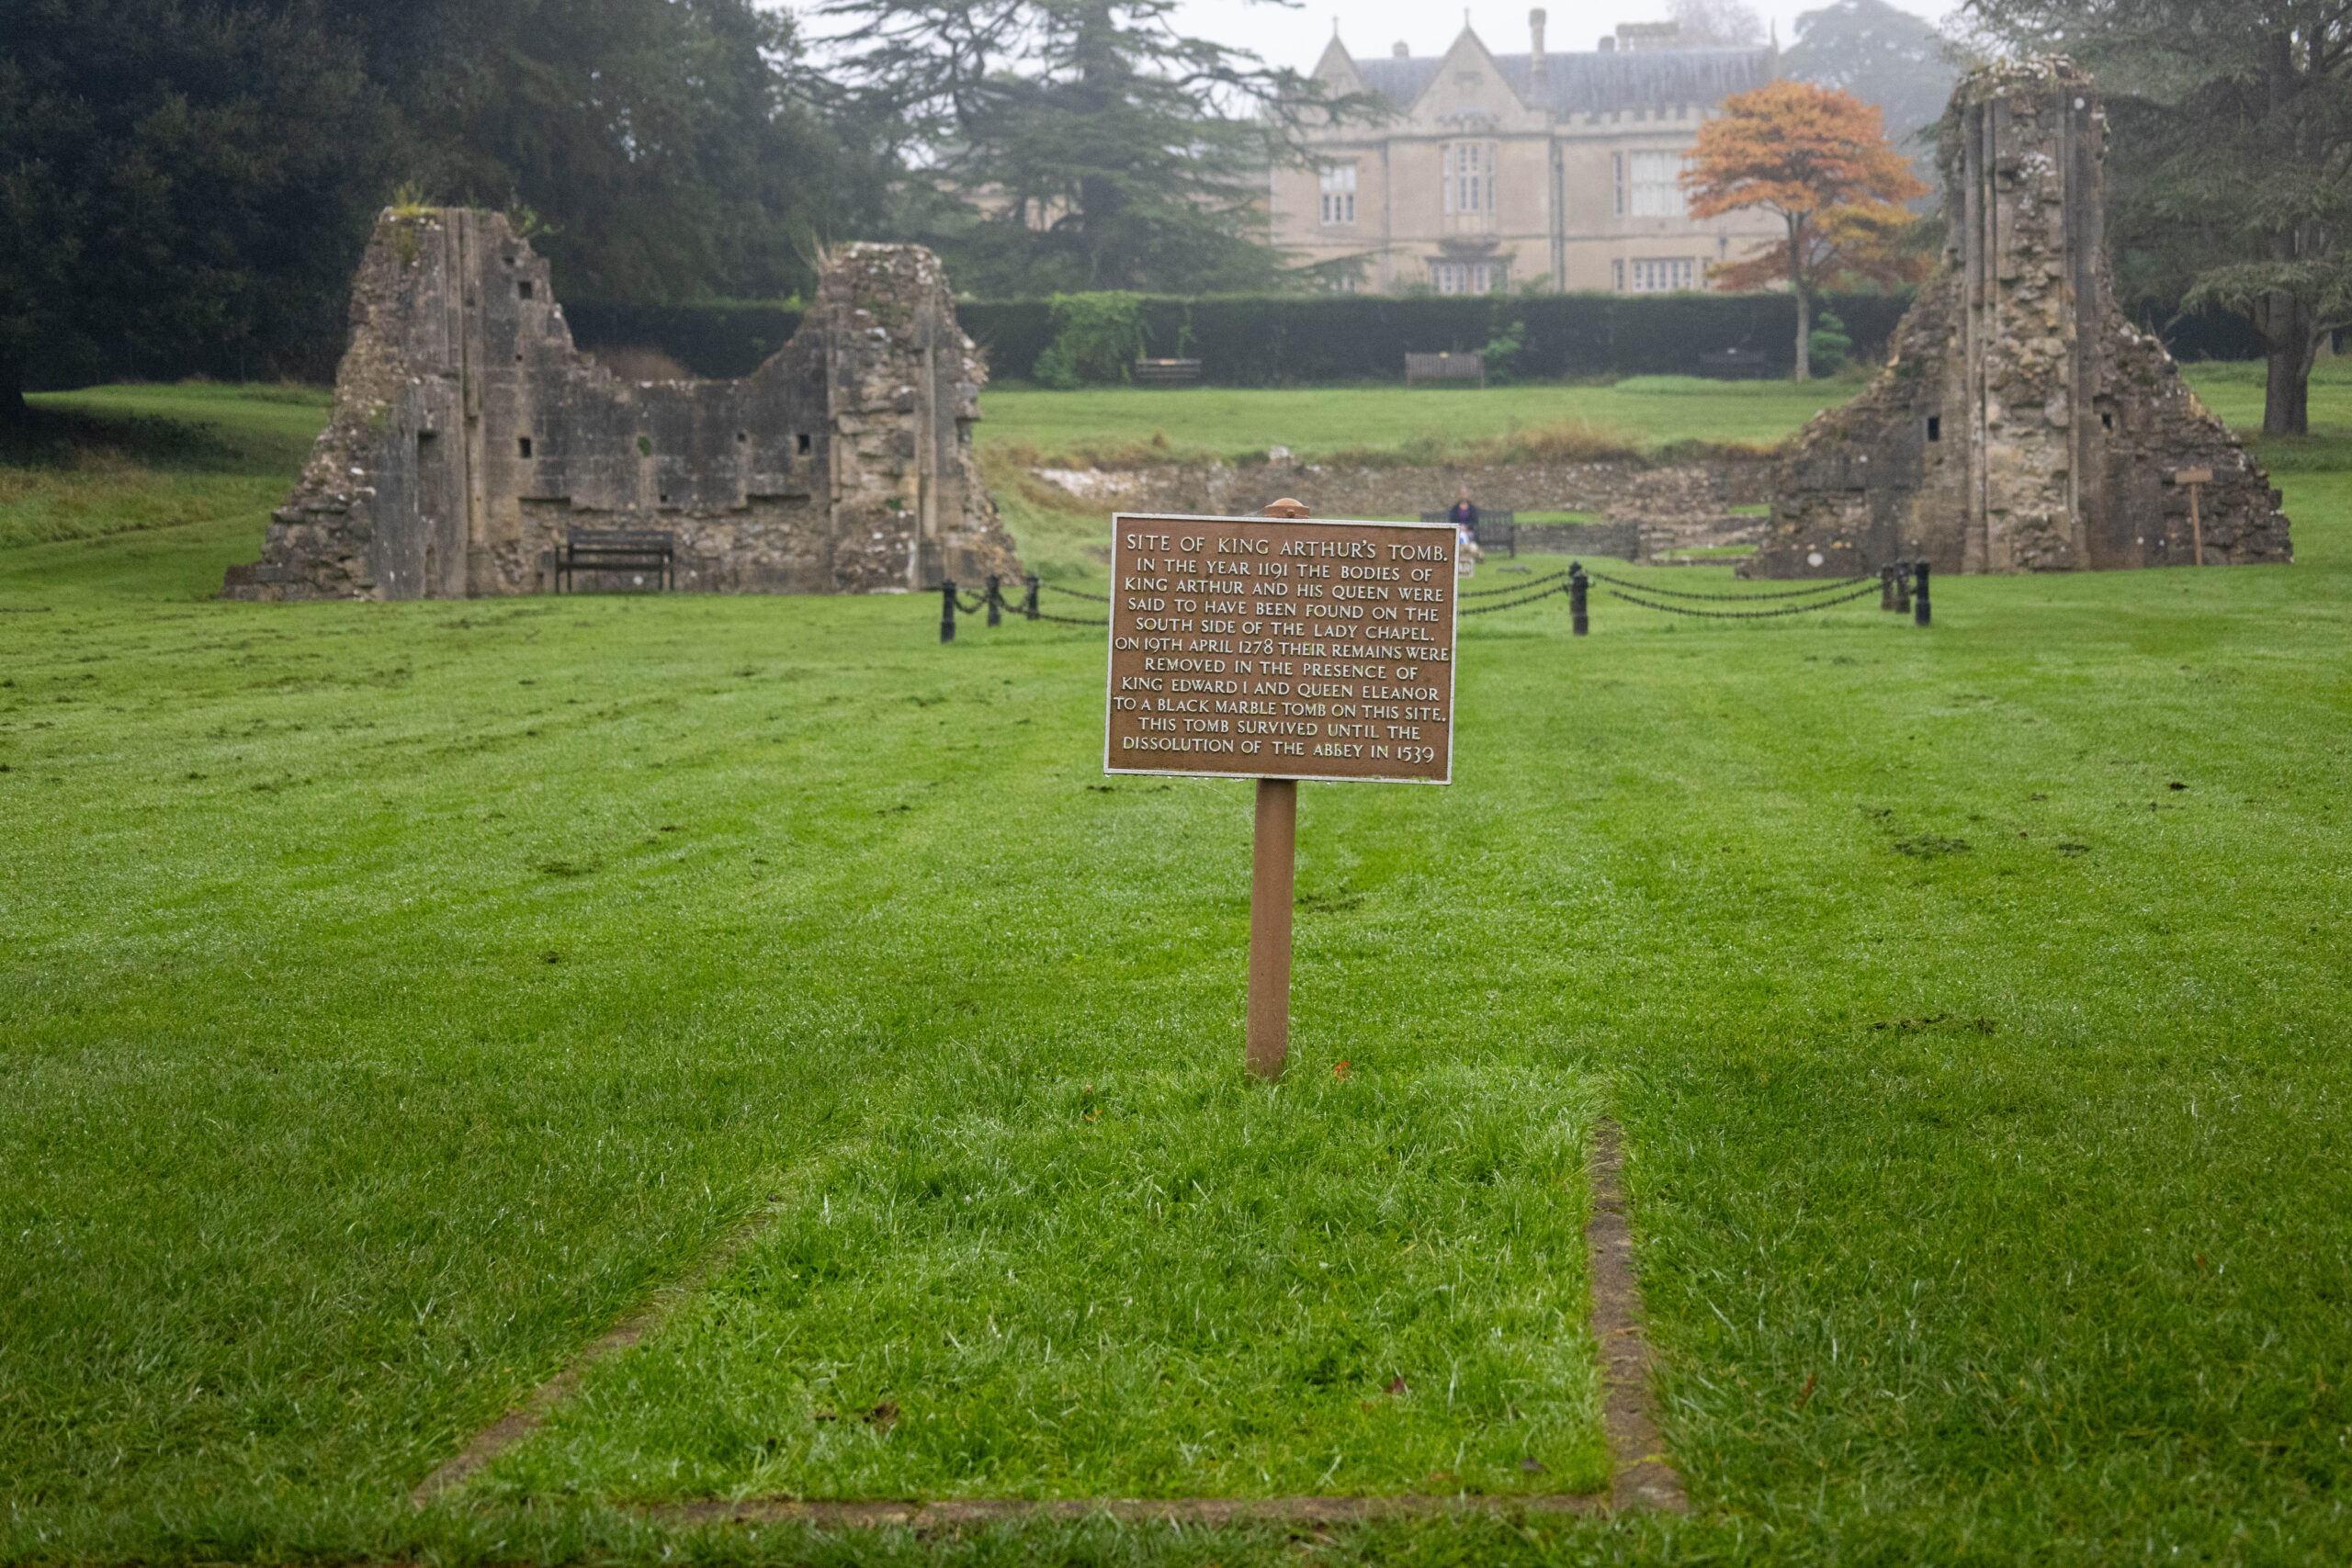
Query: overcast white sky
[1293,36]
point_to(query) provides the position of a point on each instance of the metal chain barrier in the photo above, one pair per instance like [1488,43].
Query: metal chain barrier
[1513,605]
[1098,598]
[1734,598]
[1745,615]
[1507,587]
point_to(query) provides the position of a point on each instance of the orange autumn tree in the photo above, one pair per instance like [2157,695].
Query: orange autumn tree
[1820,159]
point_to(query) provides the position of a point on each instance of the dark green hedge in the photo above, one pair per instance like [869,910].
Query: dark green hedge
[723,338]
[1268,341]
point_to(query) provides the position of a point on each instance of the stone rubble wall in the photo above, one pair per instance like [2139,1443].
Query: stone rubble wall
[2021,423]
[469,437]
[1665,507]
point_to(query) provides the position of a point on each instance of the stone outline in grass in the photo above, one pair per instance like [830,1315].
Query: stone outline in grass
[1643,1478]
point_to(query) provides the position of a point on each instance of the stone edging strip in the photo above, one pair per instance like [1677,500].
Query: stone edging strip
[949,1514]
[1644,1479]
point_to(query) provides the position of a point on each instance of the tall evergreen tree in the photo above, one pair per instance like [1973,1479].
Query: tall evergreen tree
[667,146]
[180,183]
[2238,166]
[1073,144]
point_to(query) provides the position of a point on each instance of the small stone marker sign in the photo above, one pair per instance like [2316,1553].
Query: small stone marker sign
[1280,647]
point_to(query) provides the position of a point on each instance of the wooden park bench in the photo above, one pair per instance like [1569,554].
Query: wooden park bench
[1167,372]
[1496,530]
[1471,366]
[1737,365]
[615,550]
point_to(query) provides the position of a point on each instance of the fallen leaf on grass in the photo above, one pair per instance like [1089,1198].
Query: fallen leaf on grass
[1532,1466]
[1397,1385]
[883,1417]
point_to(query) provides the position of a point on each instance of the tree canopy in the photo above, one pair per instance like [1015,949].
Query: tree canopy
[1052,145]
[1819,158]
[187,183]
[176,174]
[1883,55]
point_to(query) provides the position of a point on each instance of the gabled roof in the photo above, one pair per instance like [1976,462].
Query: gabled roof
[1399,80]
[1592,81]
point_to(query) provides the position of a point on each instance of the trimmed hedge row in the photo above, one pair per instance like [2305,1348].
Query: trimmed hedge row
[1266,341]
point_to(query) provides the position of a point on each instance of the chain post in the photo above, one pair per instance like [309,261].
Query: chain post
[1579,596]
[996,600]
[1029,603]
[948,611]
[1920,597]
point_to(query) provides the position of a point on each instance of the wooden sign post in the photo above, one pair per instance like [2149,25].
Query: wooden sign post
[1279,648]
[2192,477]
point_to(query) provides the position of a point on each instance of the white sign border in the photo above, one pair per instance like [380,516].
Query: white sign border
[1453,647]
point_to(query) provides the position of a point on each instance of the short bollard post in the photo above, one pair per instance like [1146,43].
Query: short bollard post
[1580,593]
[996,600]
[1902,587]
[1886,588]
[948,611]
[1920,597]
[1029,603]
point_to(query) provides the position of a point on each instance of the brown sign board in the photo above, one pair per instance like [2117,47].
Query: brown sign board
[1280,647]
[2192,476]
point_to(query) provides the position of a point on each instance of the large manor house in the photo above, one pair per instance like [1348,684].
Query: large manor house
[1499,171]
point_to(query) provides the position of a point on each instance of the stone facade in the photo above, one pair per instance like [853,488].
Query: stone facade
[2021,423]
[468,435]
[1494,171]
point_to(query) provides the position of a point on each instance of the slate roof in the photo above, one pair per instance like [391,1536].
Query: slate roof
[1594,82]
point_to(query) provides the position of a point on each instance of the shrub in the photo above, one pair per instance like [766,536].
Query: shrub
[1827,345]
[1097,338]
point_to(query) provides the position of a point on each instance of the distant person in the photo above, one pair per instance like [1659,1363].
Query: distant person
[1464,518]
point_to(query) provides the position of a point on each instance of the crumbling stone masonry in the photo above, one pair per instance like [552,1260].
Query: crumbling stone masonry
[2021,423]
[468,435]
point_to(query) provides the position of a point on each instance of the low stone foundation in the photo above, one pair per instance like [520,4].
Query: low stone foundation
[1652,510]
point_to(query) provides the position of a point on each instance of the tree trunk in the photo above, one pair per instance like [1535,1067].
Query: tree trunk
[1804,334]
[1805,303]
[2288,346]
[2284,319]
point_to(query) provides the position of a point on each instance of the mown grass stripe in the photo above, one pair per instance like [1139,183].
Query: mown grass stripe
[528,1417]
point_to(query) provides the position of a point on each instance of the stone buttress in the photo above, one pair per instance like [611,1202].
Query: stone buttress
[2021,423]
[468,435]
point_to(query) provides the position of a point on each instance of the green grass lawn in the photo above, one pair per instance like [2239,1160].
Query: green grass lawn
[393,996]
[1643,411]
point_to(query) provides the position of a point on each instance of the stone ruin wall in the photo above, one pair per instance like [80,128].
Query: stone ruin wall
[468,435]
[2021,423]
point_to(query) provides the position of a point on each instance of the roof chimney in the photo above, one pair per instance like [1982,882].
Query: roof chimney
[1401,51]
[1539,74]
[1609,43]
